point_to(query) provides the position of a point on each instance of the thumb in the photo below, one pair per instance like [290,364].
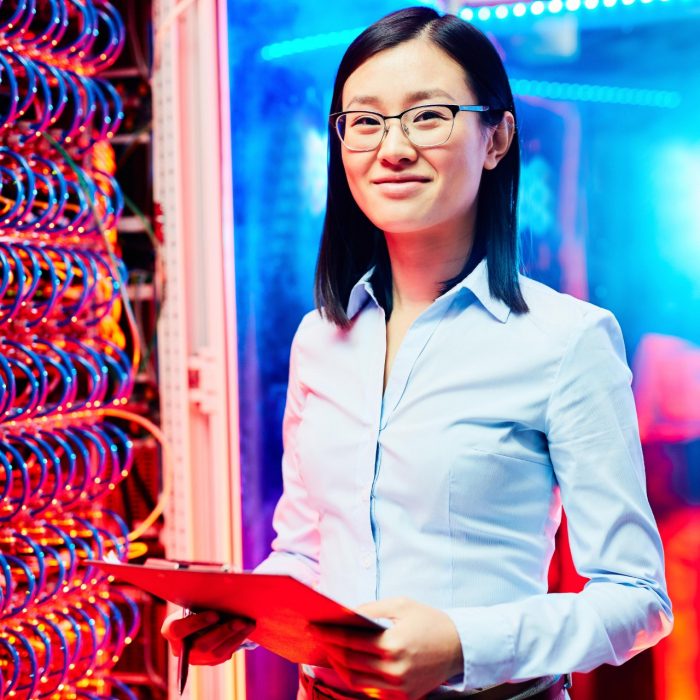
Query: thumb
[389,608]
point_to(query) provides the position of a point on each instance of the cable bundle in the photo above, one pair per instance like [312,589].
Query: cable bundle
[36,97]
[49,200]
[85,35]
[49,473]
[64,357]
[62,631]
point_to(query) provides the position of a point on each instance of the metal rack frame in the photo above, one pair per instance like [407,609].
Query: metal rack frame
[197,329]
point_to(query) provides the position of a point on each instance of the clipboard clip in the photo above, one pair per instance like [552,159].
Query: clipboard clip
[179,564]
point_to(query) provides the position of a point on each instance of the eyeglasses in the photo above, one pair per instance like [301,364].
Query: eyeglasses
[424,126]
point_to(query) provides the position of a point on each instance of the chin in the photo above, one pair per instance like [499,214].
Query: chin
[405,222]
[403,228]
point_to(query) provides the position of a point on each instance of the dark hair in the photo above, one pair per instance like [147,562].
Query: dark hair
[351,243]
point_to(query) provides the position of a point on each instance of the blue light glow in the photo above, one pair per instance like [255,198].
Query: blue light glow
[538,199]
[314,174]
[501,11]
[555,6]
[308,43]
[676,175]
[539,7]
[583,92]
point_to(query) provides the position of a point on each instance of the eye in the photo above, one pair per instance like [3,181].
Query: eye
[432,114]
[421,116]
[364,119]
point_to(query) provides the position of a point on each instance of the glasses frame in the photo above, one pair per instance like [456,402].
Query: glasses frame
[334,118]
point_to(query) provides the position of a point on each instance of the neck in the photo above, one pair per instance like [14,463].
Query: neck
[420,264]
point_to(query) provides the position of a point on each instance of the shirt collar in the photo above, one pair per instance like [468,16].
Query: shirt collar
[360,294]
[477,282]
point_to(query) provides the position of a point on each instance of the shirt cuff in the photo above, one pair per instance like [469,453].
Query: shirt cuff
[487,637]
[296,565]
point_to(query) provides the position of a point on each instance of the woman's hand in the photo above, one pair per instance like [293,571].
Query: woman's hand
[416,654]
[215,638]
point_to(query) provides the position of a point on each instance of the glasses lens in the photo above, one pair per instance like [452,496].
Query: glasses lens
[430,125]
[360,131]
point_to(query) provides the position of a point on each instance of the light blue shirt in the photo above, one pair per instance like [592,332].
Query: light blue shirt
[448,486]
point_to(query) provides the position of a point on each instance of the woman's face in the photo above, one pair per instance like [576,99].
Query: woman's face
[401,188]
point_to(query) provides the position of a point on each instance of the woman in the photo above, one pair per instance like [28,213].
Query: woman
[441,408]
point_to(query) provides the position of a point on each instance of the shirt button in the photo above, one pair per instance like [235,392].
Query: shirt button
[366,560]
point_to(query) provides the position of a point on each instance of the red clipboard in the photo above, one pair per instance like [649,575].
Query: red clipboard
[282,607]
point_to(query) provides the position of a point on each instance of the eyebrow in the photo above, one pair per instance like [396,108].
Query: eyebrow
[412,97]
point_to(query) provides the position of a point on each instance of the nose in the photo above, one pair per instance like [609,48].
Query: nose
[395,146]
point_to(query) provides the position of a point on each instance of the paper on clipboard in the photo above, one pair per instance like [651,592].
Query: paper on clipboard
[282,607]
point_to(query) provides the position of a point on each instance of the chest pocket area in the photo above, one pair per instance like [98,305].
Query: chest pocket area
[498,495]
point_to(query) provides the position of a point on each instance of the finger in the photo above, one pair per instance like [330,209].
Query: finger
[347,676]
[209,639]
[193,623]
[165,628]
[359,640]
[362,671]
[233,643]
[358,660]
[389,607]
[218,645]
[175,646]
[175,628]
[208,659]
[362,681]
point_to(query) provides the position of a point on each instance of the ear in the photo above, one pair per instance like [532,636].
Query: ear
[499,141]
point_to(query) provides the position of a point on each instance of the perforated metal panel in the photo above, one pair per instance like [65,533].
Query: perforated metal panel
[197,328]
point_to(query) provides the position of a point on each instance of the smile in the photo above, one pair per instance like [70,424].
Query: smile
[400,187]
[400,180]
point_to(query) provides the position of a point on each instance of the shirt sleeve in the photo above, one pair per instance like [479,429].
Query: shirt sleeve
[295,549]
[591,427]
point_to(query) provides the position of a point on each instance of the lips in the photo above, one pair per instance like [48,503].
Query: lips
[400,180]
[401,186]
